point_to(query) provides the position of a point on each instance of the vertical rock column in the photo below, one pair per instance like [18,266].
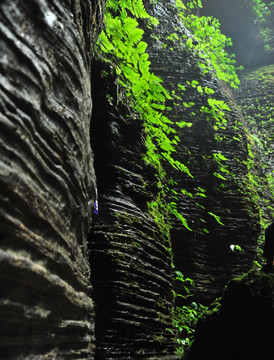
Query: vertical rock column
[204,253]
[47,178]
[253,43]
[130,256]
[255,96]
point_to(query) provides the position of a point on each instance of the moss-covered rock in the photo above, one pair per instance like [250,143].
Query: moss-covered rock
[240,324]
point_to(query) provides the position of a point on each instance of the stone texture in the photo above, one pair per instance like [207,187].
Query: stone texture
[48,189]
[255,94]
[130,257]
[255,97]
[239,325]
[47,178]
[204,253]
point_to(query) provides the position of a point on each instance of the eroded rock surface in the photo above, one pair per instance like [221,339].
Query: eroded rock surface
[130,257]
[47,178]
[204,253]
[255,96]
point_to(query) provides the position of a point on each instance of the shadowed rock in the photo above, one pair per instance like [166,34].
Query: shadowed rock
[47,180]
[204,253]
[239,325]
[130,256]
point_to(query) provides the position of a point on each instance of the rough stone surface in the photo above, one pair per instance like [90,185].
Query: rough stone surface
[48,190]
[204,253]
[130,257]
[256,99]
[255,94]
[239,325]
[47,178]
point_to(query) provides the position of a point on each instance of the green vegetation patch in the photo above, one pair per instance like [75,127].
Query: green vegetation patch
[263,74]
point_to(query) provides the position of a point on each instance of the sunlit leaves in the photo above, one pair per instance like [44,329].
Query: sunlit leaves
[122,43]
[210,44]
[174,211]
[236,248]
[216,217]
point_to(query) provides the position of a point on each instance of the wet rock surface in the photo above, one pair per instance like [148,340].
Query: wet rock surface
[52,279]
[204,253]
[240,324]
[255,96]
[47,178]
[130,257]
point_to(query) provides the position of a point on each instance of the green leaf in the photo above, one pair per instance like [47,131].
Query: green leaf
[216,217]
[236,248]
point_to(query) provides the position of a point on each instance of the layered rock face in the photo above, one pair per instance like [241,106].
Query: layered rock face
[256,98]
[240,325]
[130,256]
[214,189]
[254,48]
[48,192]
[47,178]
[63,260]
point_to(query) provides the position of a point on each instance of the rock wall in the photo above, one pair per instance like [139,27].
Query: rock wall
[47,178]
[60,263]
[239,325]
[255,94]
[255,97]
[204,253]
[130,256]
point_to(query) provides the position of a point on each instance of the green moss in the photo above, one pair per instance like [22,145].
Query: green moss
[263,74]
[160,338]
[212,311]
[125,217]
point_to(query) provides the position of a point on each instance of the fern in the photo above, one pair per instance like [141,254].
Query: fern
[122,43]
[210,44]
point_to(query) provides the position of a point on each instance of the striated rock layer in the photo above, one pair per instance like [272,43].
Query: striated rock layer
[253,44]
[130,256]
[256,99]
[215,187]
[46,178]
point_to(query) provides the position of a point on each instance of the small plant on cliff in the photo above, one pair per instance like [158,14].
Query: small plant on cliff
[261,15]
[209,43]
[185,317]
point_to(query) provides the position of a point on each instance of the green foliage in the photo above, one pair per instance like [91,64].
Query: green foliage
[261,15]
[122,44]
[210,44]
[236,248]
[185,317]
[216,217]
[260,9]
[160,213]
[258,110]
[216,110]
